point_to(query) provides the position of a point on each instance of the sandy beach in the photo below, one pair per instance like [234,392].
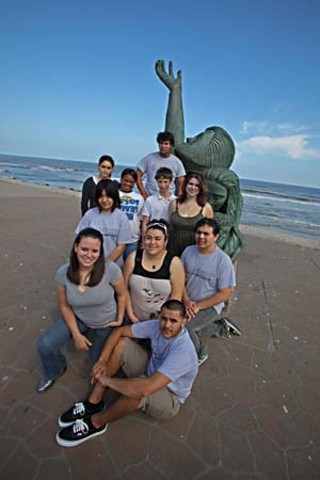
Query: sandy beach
[254,410]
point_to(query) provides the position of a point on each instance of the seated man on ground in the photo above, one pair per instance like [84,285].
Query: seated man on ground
[158,385]
[210,279]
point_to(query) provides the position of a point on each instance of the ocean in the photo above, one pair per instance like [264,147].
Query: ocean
[288,209]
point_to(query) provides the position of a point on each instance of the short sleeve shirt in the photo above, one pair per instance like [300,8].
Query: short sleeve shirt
[175,357]
[95,306]
[207,274]
[131,205]
[114,226]
[156,207]
[152,162]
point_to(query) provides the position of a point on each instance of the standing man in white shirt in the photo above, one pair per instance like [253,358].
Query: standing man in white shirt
[163,158]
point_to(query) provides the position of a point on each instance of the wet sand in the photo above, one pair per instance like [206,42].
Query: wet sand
[254,410]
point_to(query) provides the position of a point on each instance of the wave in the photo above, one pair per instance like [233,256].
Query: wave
[58,169]
[280,197]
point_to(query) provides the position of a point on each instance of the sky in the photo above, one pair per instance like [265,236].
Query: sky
[78,81]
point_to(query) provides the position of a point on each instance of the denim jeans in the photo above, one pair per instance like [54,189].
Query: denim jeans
[58,334]
[130,247]
[204,325]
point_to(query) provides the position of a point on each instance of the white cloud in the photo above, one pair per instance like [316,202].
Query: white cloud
[265,127]
[294,146]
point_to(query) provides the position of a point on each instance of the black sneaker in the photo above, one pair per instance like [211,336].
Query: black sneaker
[78,411]
[78,432]
[231,327]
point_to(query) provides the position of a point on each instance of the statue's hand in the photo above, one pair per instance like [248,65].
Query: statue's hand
[168,78]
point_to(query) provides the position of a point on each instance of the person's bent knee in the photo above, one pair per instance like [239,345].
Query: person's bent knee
[44,343]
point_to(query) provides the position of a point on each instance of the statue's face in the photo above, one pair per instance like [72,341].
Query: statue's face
[211,148]
[203,138]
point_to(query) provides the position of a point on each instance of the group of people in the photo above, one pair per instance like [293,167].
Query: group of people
[144,285]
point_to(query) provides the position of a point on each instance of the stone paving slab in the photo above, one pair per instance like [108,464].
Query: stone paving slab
[254,410]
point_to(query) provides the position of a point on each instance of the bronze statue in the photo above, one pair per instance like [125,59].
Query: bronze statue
[211,153]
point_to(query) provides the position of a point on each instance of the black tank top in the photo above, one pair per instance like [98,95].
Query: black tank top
[162,273]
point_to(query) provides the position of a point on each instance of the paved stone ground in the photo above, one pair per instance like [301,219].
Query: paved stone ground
[254,410]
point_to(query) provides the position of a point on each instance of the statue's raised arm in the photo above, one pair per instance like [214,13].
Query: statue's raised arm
[174,115]
[211,153]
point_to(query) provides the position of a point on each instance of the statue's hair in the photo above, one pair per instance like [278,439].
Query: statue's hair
[221,148]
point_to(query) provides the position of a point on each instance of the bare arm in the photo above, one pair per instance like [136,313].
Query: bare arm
[140,185]
[144,223]
[127,271]
[121,291]
[99,368]
[180,181]
[172,207]
[208,211]
[177,278]
[194,307]
[221,296]
[81,341]
[117,252]
[174,115]
[136,387]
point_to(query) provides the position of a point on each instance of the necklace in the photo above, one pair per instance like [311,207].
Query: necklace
[150,265]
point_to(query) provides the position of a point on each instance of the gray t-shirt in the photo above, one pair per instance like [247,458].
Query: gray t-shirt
[175,357]
[96,306]
[207,274]
[114,226]
[152,162]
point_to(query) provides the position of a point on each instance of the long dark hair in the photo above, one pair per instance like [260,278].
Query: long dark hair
[111,190]
[202,196]
[98,267]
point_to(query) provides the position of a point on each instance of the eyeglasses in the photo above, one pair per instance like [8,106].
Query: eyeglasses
[162,226]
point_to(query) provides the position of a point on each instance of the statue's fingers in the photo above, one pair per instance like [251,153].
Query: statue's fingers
[179,75]
[171,68]
[160,68]
[158,65]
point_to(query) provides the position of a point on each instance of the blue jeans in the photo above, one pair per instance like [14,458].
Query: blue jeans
[130,247]
[57,335]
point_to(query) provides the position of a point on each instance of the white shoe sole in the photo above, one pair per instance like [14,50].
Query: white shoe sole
[74,443]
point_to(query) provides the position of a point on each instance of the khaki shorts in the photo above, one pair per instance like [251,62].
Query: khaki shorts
[161,404]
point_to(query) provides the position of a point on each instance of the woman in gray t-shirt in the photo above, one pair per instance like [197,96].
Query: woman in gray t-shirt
[86,288]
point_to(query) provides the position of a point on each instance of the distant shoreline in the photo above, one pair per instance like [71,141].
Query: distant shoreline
[260,232]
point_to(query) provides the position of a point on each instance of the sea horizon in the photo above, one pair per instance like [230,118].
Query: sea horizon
[124,165]
[292,210]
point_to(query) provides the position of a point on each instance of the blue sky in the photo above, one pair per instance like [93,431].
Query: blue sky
[78,79]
